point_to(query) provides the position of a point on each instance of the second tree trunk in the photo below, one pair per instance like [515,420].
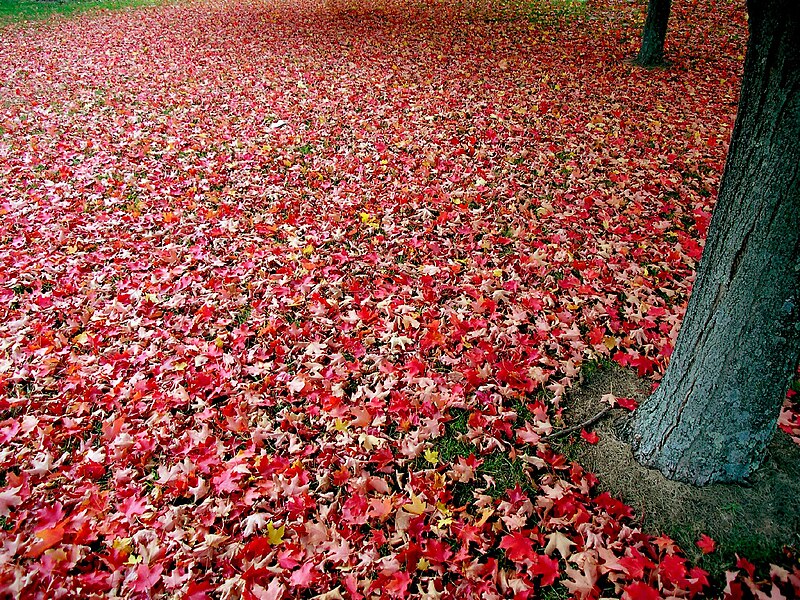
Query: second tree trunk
[651,54]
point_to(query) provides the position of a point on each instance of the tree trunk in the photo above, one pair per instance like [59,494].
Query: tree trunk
[715,411]
[651,54]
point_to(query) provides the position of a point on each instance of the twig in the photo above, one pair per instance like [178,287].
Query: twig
[565,432]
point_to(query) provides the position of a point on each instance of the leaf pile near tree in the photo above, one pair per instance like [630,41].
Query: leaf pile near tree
[291,294]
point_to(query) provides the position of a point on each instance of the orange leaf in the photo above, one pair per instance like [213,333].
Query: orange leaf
[49,538]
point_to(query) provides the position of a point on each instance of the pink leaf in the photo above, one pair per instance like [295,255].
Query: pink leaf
[8,499]
[146,578]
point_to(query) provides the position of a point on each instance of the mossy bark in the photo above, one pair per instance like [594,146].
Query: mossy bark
[651,53]
[716,409]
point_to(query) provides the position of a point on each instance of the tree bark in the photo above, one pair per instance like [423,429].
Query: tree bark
[651,53]
[716,409]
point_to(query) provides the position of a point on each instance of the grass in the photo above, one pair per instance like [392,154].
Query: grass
[731,545]
[12,11]
[555,592]
[549,12]
[592,368]
[505,472]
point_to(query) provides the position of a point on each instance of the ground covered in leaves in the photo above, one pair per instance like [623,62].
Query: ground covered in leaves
[291,293]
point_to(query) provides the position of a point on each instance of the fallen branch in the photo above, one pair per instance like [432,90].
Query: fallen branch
[565,432]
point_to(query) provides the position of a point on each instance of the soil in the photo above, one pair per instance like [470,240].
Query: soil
[758,520]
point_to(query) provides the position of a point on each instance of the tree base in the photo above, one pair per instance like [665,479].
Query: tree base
[650,64]
[754,520]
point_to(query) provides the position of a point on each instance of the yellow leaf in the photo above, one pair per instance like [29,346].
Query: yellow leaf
[423,564]
[56,554]
[445,522]
[369,441]
[308,250]
[369,220]
[485,514]
[610,342]
[340,425]
[417,505]
[497,272]
[432,456]
[122,544]
[275,536]
[133,559]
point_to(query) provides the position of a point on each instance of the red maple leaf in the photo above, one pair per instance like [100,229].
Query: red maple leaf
[672,569]
[546,567]
[628,403]
[640,591]
[397,586]
[518,546]
[635,563]
[706,544]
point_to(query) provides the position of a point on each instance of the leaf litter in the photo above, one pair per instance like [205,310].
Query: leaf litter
[259,259]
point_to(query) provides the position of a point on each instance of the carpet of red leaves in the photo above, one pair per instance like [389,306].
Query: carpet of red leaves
[254,255]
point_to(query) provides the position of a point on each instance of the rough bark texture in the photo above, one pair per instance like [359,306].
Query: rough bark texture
[717,407]
[651,54]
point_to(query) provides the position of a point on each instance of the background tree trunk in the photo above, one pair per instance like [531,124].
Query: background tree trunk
[651,53]
[717,407]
